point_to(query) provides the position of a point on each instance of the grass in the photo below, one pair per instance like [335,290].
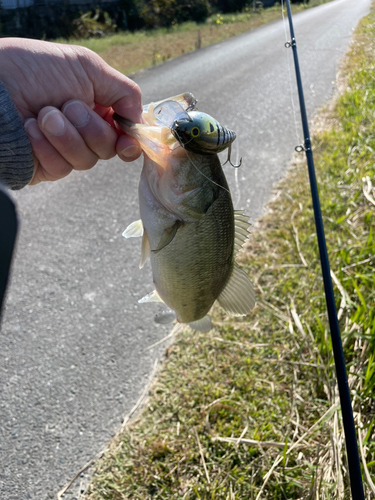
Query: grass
[251,410]
[131,52]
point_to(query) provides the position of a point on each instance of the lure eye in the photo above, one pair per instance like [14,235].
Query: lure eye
[195,132]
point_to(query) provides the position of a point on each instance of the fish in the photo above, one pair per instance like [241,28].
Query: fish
[189,228]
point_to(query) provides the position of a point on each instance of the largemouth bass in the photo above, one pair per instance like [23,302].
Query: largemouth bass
[189,228]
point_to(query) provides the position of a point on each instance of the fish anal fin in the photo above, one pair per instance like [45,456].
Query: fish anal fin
[134,230]
[151,297]
[168,236]
[202,325]
[145,253]
[238,297]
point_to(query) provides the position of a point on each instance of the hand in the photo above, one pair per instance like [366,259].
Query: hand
[66,96]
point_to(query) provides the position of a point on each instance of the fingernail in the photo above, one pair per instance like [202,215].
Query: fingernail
[77,114]
[131,151]
[33,130]
[54,123]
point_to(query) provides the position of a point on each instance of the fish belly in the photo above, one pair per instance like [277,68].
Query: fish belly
[192,270]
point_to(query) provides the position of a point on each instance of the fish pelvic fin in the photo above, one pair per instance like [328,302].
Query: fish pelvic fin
[151,297]
[238,297]
[241,230]
[145,252]
[203,325]
[168,236]
[134,230]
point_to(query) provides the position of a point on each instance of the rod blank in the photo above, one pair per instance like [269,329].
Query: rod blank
[342,379]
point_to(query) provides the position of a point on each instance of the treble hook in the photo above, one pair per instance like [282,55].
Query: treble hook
[228,159]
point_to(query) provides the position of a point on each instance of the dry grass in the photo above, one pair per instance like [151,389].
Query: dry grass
[159,47]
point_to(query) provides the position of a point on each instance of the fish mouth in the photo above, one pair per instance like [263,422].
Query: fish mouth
[121,121]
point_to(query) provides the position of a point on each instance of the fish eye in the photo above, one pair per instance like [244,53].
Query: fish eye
[195,131]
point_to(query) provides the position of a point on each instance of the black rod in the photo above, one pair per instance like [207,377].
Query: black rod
[342,379]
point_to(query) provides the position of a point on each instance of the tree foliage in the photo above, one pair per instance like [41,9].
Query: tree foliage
[166,13]
[50,20]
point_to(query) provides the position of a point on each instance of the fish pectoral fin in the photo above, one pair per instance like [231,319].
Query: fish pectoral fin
[168,236]
[203,325]
[145,252]
[134,230]
[238,297]
[151,297]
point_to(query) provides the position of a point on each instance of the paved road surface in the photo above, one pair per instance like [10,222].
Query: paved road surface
[72,347]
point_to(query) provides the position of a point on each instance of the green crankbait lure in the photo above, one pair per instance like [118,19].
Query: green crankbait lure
[196,132]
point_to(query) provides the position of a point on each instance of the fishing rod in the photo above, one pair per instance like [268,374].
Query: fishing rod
[342,378]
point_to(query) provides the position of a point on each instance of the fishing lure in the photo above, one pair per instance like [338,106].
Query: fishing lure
[195,131]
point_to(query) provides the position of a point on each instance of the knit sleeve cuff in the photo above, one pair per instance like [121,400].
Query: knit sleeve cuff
[16,159]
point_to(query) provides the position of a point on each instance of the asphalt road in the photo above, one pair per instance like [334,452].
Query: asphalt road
[72,346]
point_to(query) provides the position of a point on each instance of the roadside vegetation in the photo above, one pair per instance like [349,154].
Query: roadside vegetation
[251,410]
[129,52]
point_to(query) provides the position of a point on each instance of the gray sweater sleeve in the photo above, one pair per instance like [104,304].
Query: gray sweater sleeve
[16,160]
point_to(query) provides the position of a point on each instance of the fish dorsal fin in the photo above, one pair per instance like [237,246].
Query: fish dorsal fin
[202,325]
[241,229]
[145,253]
[168,236]
[238,297]
[134,230]
[151,297]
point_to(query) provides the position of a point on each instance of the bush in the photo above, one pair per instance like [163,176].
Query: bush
[166,13]
[95,24]
[226,6]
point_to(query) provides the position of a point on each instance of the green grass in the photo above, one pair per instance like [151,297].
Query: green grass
[131,52]
[271,378]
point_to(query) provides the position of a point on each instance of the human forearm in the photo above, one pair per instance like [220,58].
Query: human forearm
[16,160]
